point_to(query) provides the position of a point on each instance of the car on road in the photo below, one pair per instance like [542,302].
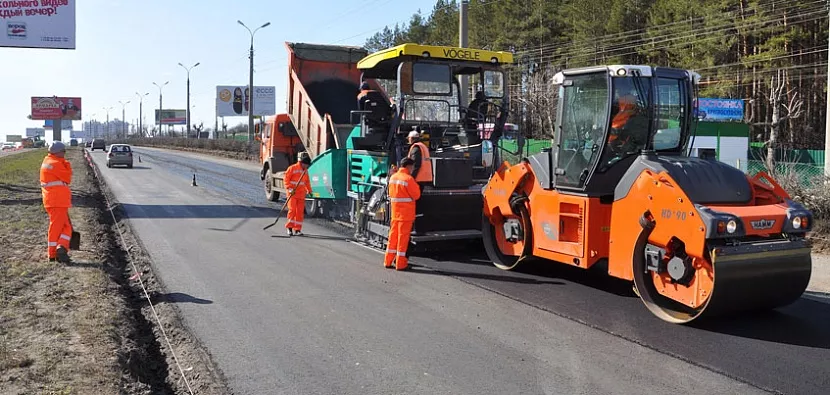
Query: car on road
[99,144]
[73,143]
[120,154]
[8,147]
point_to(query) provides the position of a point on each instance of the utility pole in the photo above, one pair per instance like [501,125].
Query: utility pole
[827,110]
[123,118]
[462,42]
[160,103]
[141,112]
[188,95]
[251,82]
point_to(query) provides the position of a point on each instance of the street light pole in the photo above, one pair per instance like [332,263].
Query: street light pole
[160,103]
[188,95]
[123,118]
[107,109]
[251,82]
[141,112]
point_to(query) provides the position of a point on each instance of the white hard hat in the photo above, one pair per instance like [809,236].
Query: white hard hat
[413,134]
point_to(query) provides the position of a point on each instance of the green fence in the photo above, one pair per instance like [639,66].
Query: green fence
[509,149]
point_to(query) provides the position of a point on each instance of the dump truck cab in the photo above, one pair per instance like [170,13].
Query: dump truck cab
[279,145]
[417,88]
[618,191]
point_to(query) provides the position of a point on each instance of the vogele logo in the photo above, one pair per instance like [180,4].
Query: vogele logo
[16,30]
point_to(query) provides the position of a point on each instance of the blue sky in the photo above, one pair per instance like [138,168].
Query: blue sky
[123,46]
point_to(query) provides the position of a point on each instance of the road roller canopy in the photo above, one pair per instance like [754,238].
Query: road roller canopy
[607,115]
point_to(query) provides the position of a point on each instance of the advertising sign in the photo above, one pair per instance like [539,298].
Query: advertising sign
[14,138]
[38,24]
[233,101]
[172,117]
[44,108]
[720,110]
[32,132]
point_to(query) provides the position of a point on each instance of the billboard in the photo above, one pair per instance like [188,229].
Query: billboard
[65,124]
[32,132]
[232,100]
[38,24]
[720,110]
[14,138]
[54,107]
[172,117]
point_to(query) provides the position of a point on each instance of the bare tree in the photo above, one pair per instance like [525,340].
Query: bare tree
[539,99]
[783,110]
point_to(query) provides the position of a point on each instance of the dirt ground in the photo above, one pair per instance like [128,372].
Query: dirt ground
[83,328]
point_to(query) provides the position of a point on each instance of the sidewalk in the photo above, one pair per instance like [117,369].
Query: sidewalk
[820,279]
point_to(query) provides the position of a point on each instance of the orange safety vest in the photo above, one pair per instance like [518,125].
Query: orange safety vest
[55,177]
[403,192]
[296,180]
[425,171]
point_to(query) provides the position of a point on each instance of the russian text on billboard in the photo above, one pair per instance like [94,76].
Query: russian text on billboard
[38,23]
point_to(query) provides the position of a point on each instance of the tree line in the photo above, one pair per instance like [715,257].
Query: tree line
[770,53]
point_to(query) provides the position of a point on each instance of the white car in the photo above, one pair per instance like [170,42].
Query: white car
[8,147]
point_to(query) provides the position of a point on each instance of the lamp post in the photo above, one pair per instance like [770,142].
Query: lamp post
[123,118]
[188,94]
[107,109]
[160,103]
[141,112]
[251,82]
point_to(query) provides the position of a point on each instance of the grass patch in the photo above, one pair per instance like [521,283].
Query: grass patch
[58,324]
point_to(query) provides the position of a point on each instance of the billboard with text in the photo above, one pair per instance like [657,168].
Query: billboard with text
[38,24]
[720,110]
[54,107]
[172,117]
[233,101]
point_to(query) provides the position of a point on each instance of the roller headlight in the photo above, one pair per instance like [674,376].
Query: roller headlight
[731,226]
[797,223]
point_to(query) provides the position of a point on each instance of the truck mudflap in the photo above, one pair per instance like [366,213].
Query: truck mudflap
[748,277]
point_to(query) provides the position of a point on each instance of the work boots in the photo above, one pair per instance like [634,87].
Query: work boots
[289,232]
[63,255]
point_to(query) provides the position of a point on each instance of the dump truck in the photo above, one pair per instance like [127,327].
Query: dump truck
[353,150]
[323,82]
[618,192]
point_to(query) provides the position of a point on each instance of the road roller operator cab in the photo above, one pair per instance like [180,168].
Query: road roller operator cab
[619,192]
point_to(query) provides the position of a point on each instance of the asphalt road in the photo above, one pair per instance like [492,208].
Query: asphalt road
[320,315]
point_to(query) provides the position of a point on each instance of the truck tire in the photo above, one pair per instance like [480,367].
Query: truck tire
[312,208]
[270,193]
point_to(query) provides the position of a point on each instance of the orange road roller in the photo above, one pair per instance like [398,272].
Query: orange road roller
[620,189]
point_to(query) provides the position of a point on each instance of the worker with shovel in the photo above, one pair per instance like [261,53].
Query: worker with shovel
[55,177]
[298,186]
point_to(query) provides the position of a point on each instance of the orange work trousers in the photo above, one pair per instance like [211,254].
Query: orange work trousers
[60,230]
[296,212]
[397,244]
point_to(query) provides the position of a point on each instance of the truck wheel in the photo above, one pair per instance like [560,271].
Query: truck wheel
[270,193]
[312,207]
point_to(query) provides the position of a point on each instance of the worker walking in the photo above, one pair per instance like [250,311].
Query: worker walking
[419,153]
[55,177]
[403,193]
[298,186]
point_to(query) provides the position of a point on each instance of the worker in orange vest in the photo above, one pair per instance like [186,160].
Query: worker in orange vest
[403,193]
[419,153]
[55,177]
[298,186]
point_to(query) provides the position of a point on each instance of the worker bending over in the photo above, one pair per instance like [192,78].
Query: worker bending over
[298,186]
[419,153]
[55,177]
[403,193]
